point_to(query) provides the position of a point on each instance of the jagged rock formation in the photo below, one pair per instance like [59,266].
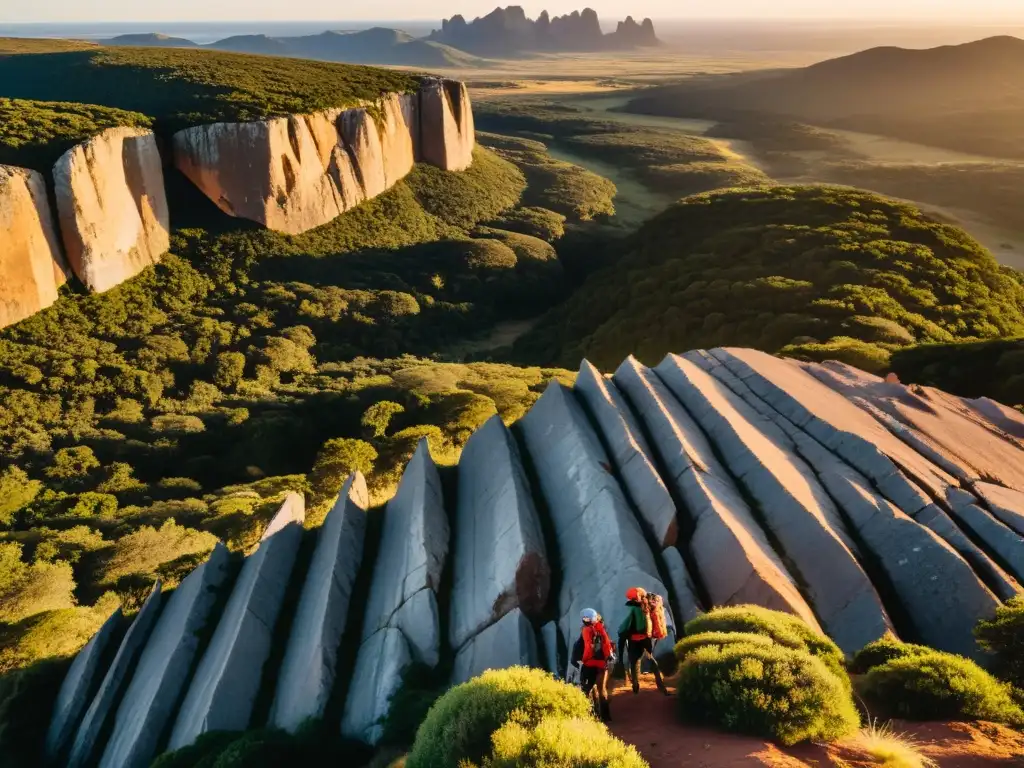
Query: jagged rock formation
[508,32]
[310,660]
[294,173]
[31,265]
[112,206]
[224,688]
[746,459]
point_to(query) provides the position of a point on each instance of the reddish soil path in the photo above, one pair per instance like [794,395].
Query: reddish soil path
[648,721]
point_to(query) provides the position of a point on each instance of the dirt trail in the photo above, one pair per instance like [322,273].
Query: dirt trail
[648,721]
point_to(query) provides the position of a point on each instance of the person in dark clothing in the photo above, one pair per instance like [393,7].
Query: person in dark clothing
[592,653]
[635,641]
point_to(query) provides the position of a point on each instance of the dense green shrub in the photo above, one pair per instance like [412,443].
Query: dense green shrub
[769,691]
[531,220]
[556,742]
[938,686]
[200,754]
[784,628]
[1003,637]
[884,650]
[459,725]
[992,369]
[687,645]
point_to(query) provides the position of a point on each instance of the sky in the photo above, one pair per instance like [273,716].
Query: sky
[978,11]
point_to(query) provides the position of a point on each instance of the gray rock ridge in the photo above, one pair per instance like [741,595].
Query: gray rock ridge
[377,675]
[797,509]
[307,673]
[629,452]
[298,172]
[731,552]
[499,559]
[553,653]
[602,547]
[686,605]
[80,682]
[227,679]
[163,670]
[112,206]
[32,266]
[1006,543]
[117,674]
[510,642]
[1005,503]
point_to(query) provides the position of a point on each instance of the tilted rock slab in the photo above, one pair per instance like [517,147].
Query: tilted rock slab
[307,672]
[629,451]
[602,549]
[376,678]
[549,636]
[75,692]
[164,668]
[733,557]
[112,206]
[401,613]
[1006,543]
[686,605]
[793,504]
[510,642]
[499,560]
[1005,503]
[31,264]
[117,674]
[447,135]
[227,680]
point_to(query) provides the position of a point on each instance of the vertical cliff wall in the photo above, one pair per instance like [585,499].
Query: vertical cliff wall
[31,265]
[294,173]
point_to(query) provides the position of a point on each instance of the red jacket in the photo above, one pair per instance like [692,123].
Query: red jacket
[588,645]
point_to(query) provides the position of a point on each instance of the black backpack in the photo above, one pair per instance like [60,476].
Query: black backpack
[597,645]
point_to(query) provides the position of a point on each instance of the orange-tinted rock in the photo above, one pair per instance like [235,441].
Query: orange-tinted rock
[112,206]
[31,267]
[446,125]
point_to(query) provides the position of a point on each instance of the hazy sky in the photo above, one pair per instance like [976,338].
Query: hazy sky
[300,10]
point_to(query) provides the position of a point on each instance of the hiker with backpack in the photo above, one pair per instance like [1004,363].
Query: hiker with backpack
[643,626]
[594,654]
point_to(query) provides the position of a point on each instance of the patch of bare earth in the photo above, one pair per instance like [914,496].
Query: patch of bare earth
[648,721]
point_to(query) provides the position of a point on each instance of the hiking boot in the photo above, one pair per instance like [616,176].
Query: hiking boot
[606,712]
[636,687]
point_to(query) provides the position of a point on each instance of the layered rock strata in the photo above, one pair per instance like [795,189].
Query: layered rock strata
[227,680]
[446,125]
[403,592]
[308,670]
[499,560]
[31,264]
[112,206]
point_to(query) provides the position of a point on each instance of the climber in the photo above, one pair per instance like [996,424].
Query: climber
[594,655]
[638,632]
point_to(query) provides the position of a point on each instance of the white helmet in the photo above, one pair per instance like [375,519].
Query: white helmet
[589,616]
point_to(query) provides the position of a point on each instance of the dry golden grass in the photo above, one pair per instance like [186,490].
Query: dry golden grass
[886,747]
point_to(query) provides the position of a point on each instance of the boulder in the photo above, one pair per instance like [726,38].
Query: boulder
[31,265]
[306,677]
[447,135]
[793,504]
[97,716]
[510,642]
[552,651]
[1006,504]
[629,451]
[413,544]
[684,601]
[1003,418]
[164,668]
[602,548]
[732,555]
[998,538]
[499,559]
[112,206]
[227,680]
[79,684]
[420,621]
[378,674]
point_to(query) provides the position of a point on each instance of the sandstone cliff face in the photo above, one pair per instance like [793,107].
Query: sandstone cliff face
[447,135]
[294,173]
[31,267]
[112,206]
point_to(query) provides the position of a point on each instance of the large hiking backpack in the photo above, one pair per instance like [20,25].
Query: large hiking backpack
[654,607]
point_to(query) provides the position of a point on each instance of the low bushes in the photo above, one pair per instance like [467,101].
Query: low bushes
[883,650]
[938,686]
[460,724]
[689,644]
[785,629]
[1003,637]
[770,691]
[557,742]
